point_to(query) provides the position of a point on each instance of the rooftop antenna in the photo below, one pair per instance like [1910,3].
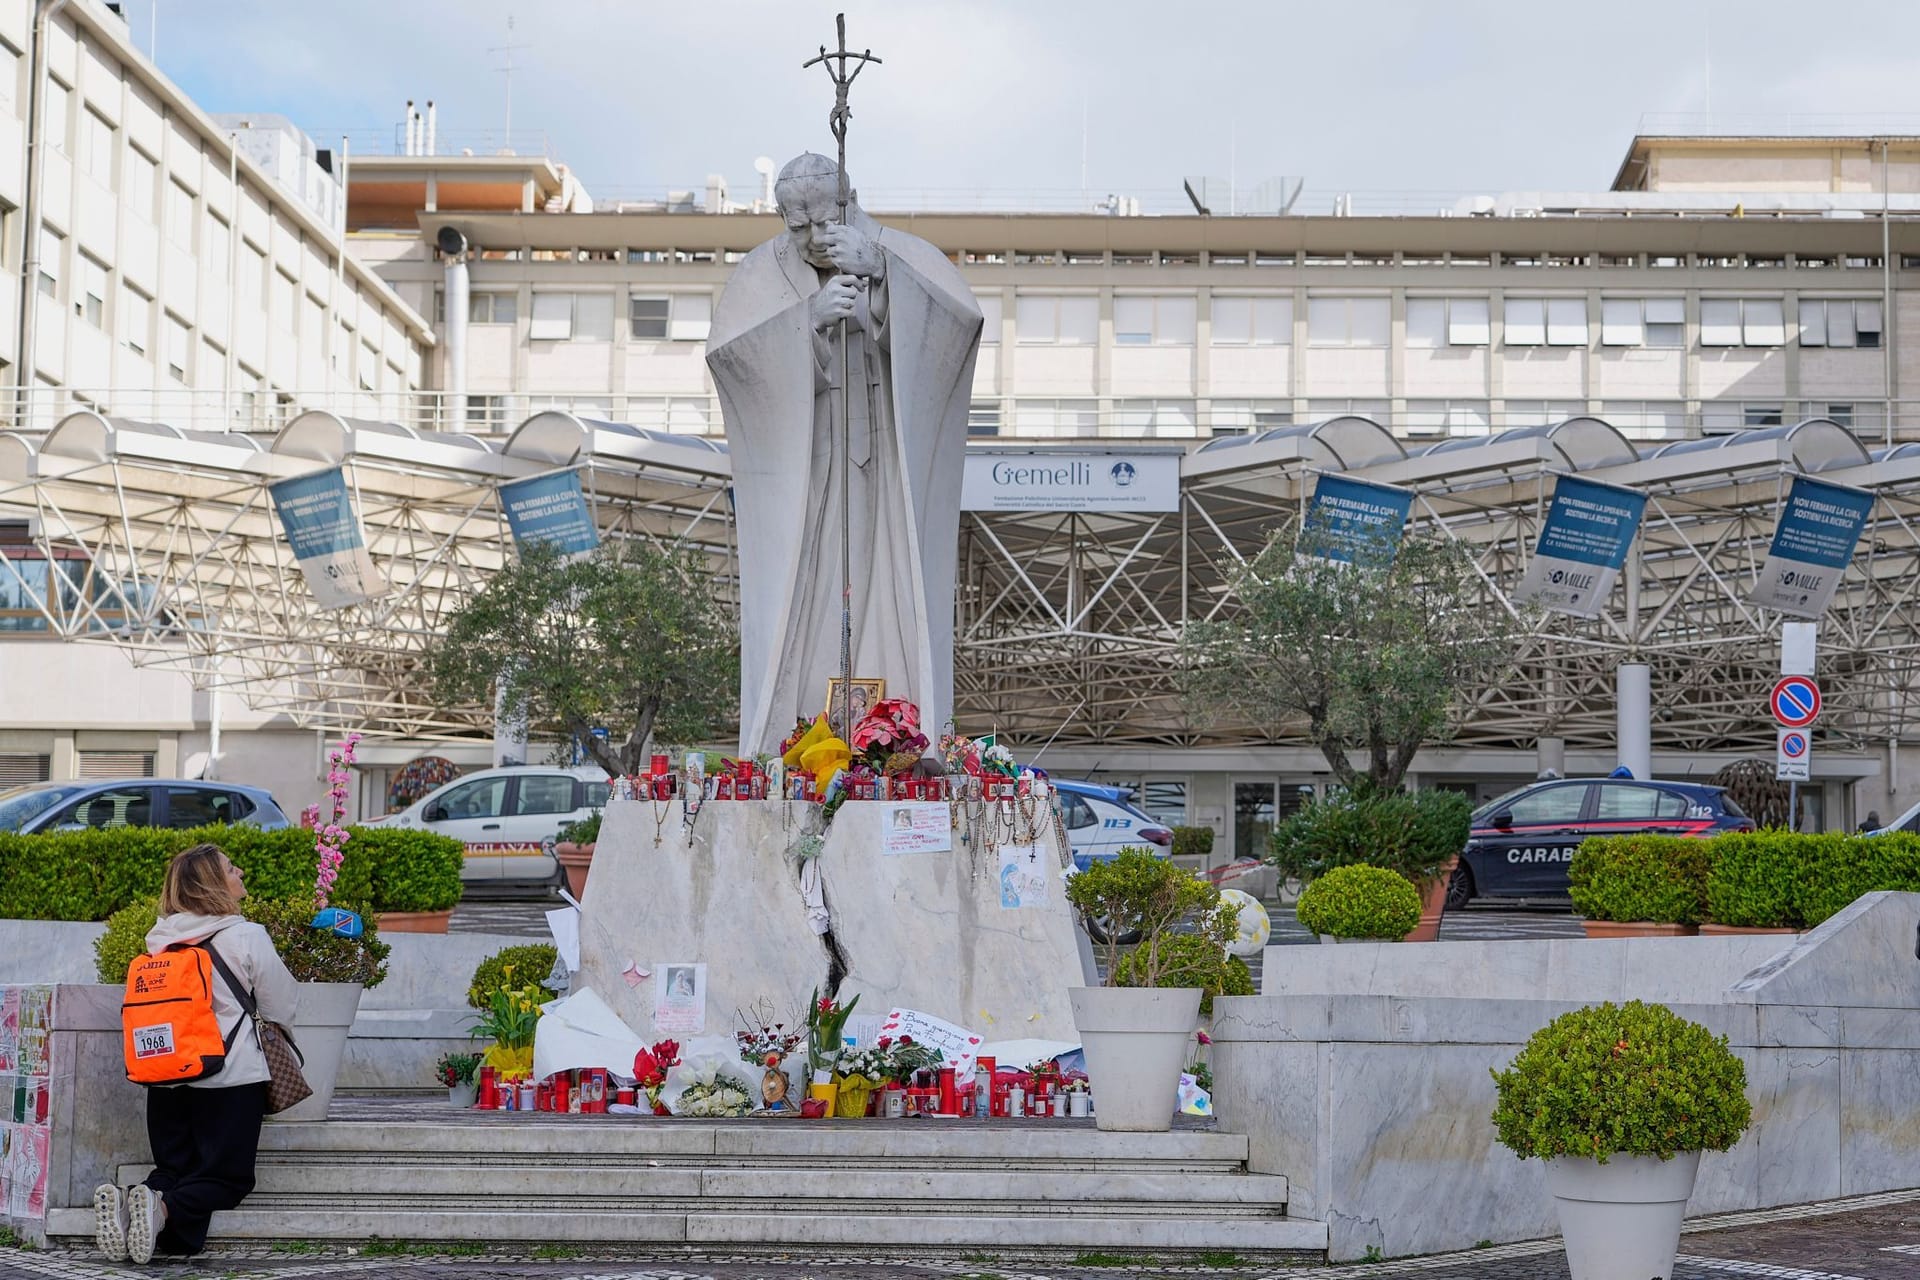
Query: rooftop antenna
[508,49]
[837,121]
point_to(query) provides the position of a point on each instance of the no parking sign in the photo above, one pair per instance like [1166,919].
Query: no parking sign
[1793,760]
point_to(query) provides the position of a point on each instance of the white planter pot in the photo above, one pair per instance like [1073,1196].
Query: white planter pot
[1136,1042]
[320,1029]
[1621,1219]
[461,1097]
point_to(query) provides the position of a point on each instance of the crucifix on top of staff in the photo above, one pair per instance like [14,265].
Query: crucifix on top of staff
[837,121]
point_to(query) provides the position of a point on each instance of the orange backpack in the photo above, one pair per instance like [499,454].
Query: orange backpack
[169,1032]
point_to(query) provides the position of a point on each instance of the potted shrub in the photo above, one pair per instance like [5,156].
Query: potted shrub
[509,969]
[1359,904]
[1640,886]
[1619,1102]
[1135,1030]
[1190,960]
[1193,847]
[332,970]
[1754,883]
[574,849]
[457,1072]
[1418,834]
[414,876]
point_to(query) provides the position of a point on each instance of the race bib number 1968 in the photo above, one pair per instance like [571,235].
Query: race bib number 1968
[153,1042]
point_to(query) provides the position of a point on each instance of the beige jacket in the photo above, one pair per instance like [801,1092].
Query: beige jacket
[248,951]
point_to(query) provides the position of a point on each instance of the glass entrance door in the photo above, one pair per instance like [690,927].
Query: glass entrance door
[1254,808]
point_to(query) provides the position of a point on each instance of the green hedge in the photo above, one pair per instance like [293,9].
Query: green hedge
[1358,901]
[1662,879]
[1192,842]
[1760,879]
[89,875]
[1414,833]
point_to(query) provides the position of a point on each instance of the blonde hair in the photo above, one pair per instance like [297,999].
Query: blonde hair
[197,882]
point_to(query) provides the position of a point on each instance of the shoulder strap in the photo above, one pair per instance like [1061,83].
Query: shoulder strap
[240,993]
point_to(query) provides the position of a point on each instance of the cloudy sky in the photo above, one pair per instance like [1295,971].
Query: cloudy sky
[1403,103]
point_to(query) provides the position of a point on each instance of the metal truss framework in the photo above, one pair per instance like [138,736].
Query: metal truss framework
[1067,623]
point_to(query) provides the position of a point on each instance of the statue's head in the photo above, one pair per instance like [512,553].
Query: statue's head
[808,193]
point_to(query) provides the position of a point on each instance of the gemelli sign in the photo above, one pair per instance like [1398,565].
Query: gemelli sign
[1812,546]
[1071,482]
[1583,545]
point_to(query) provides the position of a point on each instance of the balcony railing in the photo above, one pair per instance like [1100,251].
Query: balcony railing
[1003,421]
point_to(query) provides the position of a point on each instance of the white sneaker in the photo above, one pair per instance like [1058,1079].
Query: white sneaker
[146,1215]
[110,1222]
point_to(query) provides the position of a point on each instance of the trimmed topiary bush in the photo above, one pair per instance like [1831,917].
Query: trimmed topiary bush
[1655,879]
[1189,960]
[89,875]
[1755,879]
[1413,833]
[311,955]
[585,831]
[1835,870]
[1360,902]
[1634,1079]
[510,969]
[1192,842]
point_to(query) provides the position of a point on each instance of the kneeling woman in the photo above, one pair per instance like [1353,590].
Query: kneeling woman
[204,1134]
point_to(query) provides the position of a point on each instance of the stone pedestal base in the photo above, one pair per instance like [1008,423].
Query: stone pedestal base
[920,931]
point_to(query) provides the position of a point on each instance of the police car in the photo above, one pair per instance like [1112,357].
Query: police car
[1101,821]
[1521,843]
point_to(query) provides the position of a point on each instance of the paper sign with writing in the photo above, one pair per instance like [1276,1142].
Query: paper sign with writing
[958,1044]
[1023,877]
[917,827]
[679,998]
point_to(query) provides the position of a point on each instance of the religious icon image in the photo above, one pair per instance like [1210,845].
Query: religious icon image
[903,819]
[863,693]
[680,984]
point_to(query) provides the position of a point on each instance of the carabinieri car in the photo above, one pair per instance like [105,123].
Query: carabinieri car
[1521,843]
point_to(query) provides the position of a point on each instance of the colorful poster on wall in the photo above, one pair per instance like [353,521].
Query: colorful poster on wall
[1583,546]
[1345,516]
[26,1069]
[316,511]
[1812,547]
[917,827]
[550,509]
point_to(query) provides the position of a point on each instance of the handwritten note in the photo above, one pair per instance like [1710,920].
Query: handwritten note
[916,827]
[957,1044]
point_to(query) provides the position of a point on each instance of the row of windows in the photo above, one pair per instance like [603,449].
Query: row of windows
[1407,258]
[559,316]
[1333,321]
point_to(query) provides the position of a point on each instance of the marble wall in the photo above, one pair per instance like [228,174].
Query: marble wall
[1367,1082]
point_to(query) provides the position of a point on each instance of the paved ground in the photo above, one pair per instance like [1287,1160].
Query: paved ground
[1867,1238]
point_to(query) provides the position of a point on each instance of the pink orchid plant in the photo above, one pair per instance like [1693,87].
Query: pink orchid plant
[330,838]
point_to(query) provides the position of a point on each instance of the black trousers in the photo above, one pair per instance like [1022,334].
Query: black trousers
[204,1142]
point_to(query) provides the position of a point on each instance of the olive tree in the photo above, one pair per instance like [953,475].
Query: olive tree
[1371,642]
[629,638]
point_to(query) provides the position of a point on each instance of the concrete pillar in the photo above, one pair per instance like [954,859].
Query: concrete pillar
[1550,753]
[454,415]
[1633,717]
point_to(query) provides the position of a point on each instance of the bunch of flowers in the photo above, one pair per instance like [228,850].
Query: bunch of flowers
[959,753]
[722,1095]
[868,1066]
[650,1067]
[509,1019]
[330,839]
[765,1043]
[997,759]
[456,1068]
[826,1023]
[801,727]
[1201,1072]
[905,1057]
[889,738]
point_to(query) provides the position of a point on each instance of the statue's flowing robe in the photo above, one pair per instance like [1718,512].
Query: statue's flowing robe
[912,356]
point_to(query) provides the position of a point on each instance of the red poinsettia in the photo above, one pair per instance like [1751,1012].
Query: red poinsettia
[893,723]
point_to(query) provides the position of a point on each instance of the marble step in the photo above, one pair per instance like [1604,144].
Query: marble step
[940,1191]
[586,1223]
[933,1144]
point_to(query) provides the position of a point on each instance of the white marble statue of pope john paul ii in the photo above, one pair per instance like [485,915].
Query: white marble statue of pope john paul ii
[913,332]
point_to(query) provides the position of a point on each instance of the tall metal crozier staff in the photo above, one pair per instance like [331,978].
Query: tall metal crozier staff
[837,121]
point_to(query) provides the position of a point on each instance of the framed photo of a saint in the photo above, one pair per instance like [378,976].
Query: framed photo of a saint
[867,691]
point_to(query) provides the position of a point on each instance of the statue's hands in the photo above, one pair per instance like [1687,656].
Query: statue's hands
[833,302]
[853,251]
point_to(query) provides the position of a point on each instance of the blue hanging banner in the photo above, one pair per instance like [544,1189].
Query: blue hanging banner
[1346,516]
[316,511]
[550,509]
[1590,527]
[1812,546]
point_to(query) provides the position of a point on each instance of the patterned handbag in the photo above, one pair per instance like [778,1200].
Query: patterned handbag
[286,1085]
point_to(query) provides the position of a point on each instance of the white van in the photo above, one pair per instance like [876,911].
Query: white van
[508,818]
